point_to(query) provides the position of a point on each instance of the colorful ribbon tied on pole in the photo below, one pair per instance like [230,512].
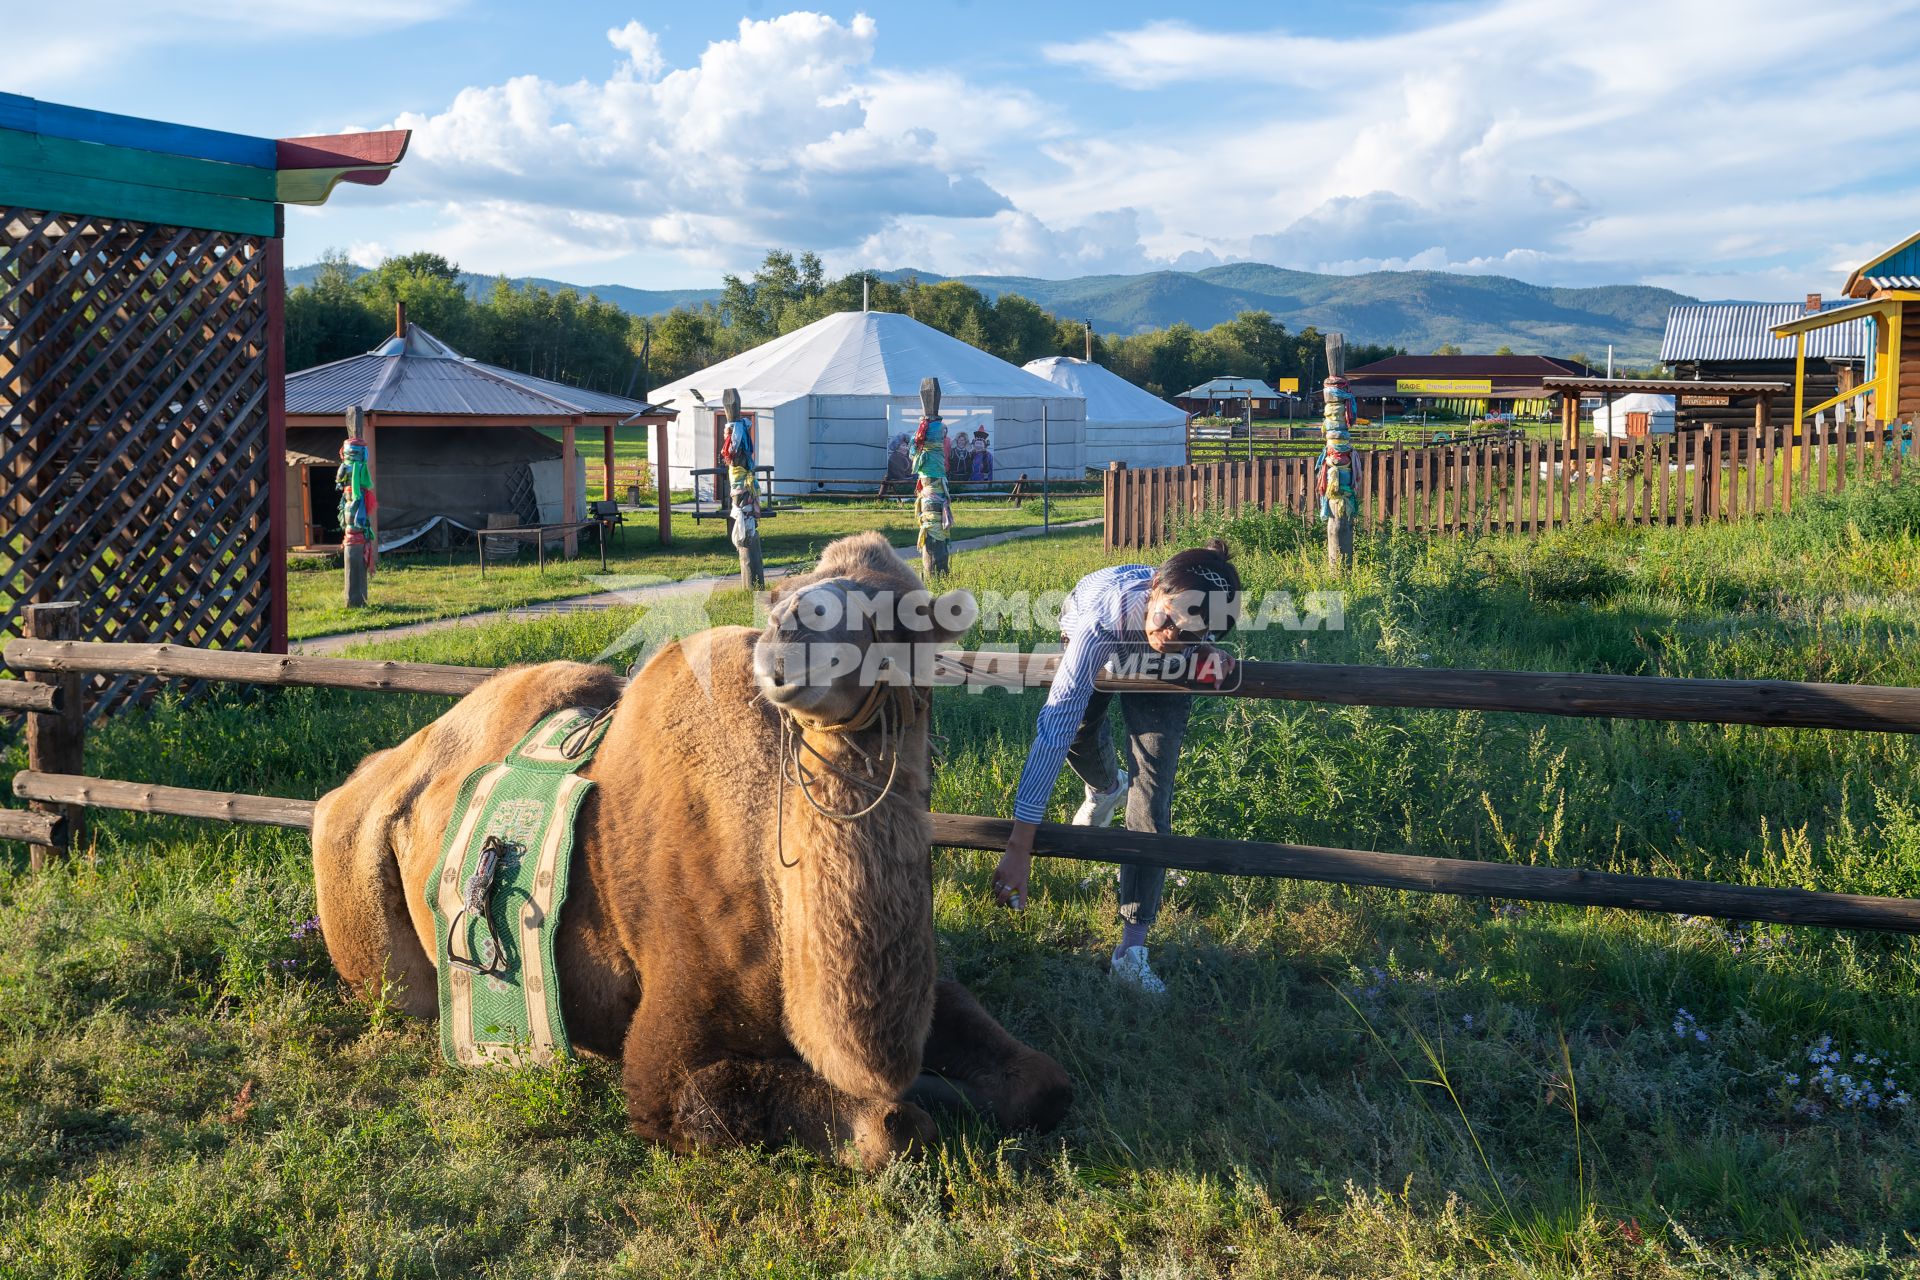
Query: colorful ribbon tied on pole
[932,504]
[1338,497]
[736,450]
[354,479]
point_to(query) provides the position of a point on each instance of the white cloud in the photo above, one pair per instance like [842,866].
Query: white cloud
[1562,140]
[785,134]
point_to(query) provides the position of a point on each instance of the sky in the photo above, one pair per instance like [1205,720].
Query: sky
[1757,149]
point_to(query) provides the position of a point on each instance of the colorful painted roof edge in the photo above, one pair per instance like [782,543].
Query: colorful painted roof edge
[75,160]
[1852,287]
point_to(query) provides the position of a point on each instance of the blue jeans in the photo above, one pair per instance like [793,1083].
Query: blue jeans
[1156,722]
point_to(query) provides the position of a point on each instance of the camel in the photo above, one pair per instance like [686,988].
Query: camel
[761,963]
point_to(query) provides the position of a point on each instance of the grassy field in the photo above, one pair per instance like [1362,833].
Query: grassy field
[1342,1082]
[418,587]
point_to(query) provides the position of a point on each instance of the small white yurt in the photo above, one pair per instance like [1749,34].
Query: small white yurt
[826,399]
[1124,423]
[1634,415]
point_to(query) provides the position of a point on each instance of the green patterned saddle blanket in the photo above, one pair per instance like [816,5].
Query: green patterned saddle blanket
[496,894]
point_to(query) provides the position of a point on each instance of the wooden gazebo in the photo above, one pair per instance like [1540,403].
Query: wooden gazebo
[413,380]
[1725,396]
[142,363]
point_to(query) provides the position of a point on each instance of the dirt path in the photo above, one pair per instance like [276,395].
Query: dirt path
[610,599]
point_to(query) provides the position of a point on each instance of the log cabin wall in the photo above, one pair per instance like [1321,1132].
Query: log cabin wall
[1909,360]
[1823,380]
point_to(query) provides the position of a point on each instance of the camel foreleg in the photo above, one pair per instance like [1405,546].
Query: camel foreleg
[971,1063]
[687,1092]
[776,1101]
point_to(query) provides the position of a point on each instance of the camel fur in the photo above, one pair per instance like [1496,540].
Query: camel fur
[764,972]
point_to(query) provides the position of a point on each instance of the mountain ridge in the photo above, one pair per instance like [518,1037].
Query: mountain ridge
[1417,310]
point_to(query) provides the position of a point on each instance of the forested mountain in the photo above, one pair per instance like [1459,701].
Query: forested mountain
[1418,310]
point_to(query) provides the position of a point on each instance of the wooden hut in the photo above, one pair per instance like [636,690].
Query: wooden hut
[1232,398]
[1735,342]
[450,440]
[1884,292]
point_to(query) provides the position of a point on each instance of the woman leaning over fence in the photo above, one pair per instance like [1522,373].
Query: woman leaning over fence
[1138,616]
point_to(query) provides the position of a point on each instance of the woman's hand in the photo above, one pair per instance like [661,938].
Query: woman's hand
[1010,877]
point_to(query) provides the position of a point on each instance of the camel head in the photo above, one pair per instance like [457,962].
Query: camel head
[862,619]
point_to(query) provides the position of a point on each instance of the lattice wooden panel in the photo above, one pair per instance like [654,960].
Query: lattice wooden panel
[134,429]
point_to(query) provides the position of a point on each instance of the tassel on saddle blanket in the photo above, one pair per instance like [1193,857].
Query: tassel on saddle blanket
[496,895]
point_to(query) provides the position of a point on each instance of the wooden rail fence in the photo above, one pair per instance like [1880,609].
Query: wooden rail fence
[1529,485]
[60,792]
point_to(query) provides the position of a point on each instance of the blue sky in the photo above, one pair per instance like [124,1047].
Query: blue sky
[1753,149]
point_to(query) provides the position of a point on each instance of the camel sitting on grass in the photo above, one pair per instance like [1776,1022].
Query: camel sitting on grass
[759,955]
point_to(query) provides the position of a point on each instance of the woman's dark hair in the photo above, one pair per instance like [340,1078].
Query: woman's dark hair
[1205,579]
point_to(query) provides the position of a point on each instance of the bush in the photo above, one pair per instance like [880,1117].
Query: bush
[1869,512]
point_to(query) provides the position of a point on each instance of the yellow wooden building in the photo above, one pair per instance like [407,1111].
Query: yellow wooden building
[1886,293]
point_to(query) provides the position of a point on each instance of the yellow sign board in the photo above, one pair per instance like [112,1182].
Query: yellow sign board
[1443,386]
[1287,384]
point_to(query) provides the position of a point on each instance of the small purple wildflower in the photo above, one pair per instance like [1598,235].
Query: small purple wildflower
[308,928]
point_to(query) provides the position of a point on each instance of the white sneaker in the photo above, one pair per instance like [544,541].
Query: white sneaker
[1098,808]
[1130,967]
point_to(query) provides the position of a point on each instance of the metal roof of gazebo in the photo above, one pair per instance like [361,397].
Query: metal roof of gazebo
[421,379]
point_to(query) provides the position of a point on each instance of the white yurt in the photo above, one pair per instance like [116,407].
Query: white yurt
[826,400]
[1619,418]
[1124,423]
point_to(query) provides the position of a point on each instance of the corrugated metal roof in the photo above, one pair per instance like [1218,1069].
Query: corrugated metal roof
[1894,282]
[1229,389]
[1742,331]
[421,374]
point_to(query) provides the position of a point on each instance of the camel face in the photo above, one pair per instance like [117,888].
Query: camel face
[830,641]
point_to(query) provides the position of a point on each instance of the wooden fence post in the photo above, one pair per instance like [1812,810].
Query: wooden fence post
[353,551]
[743,481]
[56,740]
[932,505]
[661,443]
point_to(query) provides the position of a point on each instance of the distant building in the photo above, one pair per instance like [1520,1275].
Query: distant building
[1471,385]
[1735,342]
[1639,414]
[1228,397]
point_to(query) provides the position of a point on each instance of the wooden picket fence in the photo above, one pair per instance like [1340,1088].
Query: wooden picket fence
[1529,485]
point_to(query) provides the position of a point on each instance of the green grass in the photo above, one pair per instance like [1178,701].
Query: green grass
[1345,1082]
[422,586]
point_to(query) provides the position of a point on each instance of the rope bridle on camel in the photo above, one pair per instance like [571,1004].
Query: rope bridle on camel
[893,707]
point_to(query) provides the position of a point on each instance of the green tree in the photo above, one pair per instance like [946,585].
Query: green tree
[430,285]
[1171,363]
[1020,330]
[329,319]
